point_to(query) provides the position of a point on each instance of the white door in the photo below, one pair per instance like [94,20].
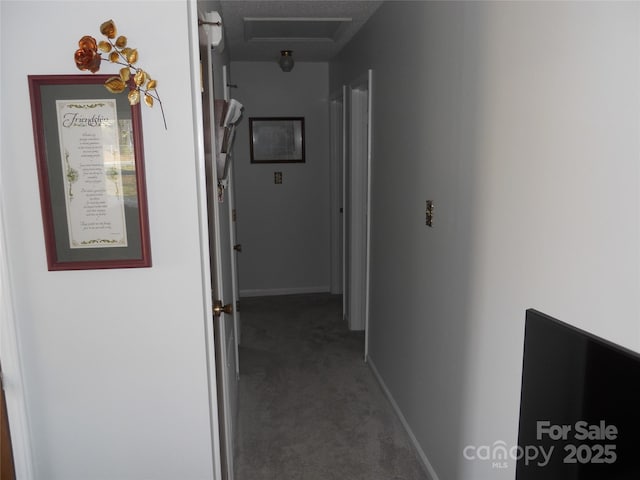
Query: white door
[236,247]
[224,321]
[222,361]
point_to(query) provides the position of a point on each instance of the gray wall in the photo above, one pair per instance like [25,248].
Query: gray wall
[283,229]
[520,120]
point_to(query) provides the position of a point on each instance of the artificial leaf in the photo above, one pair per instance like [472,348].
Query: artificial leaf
[115,85]
[140,77]
[114,57]
[104,46]
[134,97]
[152,84]
[108,29]
[121,41]
[125,74]
[148,99]
[132,56]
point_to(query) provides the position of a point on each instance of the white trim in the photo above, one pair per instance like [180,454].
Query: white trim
[336,118]
[11,368]
[358,202]
[266,292]
[225,82]
[368,259]
[345,291]
[196,88]
[234,261]
[424,461]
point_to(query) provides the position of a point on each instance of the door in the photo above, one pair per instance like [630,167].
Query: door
[237,248]
[219,254]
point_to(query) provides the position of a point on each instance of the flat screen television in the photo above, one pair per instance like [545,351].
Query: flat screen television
[579,405]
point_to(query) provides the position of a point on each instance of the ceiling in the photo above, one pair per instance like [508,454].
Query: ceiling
[315,30]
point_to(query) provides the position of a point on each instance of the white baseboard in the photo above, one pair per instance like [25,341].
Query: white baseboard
[426,464]
[266,292]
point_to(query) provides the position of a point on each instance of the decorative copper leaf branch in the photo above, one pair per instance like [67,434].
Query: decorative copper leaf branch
[140,84]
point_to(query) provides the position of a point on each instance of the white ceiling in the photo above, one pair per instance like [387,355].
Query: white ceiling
[257,30]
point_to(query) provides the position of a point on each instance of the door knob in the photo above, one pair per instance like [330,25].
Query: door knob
[218,308]
[238,247]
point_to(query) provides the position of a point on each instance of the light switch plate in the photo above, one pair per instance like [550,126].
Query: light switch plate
[429,213]
[277,178]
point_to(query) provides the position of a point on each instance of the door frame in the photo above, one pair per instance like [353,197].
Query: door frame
[337,128]
[359,196]
[203,222]
[12,368]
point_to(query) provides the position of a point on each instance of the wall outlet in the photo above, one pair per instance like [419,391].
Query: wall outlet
[277,178]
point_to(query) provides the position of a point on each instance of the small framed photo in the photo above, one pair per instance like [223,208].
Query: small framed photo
[90,164]
[277,139]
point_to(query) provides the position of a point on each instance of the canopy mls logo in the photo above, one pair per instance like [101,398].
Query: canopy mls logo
[499,453]
[539,455]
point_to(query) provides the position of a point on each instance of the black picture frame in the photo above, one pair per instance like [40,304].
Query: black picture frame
[105,179]
[277,139]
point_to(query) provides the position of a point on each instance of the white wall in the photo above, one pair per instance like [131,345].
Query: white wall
[283,229]
[114,360]
[520,120]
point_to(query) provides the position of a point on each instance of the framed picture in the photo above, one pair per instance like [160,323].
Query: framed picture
[277,139]
[91,174]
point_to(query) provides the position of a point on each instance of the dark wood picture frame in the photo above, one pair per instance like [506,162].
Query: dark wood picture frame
[277,139]
[108,225]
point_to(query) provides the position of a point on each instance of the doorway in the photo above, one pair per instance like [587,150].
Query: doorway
[337,131]
[357,205]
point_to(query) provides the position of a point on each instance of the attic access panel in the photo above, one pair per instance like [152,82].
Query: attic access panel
[294,28]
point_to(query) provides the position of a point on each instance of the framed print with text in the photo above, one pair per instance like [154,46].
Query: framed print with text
[90,163]
[277,139]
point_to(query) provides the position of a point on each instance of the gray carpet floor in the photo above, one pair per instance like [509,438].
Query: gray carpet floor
[309,407]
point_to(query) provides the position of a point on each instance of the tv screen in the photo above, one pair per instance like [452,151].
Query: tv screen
[579,405]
